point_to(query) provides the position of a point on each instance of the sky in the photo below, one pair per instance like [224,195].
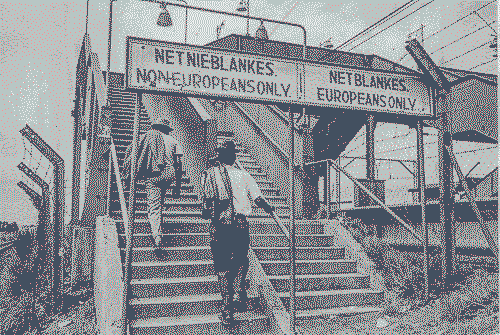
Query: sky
[40,41]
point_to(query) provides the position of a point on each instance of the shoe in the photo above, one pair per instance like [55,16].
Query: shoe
[228,320]
[159,252]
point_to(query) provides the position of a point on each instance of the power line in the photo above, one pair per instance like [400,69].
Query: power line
[460,39]
[467,52]
[392,24]
[482,64]
[385,18]
[489,3]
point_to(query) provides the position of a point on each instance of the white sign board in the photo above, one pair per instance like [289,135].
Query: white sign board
[342,87]
[192,70]
[157,66]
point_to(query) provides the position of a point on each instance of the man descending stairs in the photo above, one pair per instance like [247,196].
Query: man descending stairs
[179,292]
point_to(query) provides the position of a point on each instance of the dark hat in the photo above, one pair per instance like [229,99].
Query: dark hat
[227,146]
[162,124]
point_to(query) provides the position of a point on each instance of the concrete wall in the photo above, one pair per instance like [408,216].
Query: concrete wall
[108,278]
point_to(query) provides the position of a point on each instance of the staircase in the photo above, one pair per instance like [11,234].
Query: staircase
[179,293]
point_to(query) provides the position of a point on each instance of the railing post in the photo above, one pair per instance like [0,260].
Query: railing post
[370,148]
[292,224]
[131,209]
[327,189]
[446,202]
[421,187]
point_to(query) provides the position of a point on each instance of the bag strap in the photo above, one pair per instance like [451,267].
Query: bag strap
[227,185]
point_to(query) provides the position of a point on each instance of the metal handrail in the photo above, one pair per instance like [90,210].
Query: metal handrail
[371,195]
[489,238]
[126,225]
[259,129]
[274,216]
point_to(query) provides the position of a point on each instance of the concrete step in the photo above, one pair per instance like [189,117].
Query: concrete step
[260,213]
[184,196]
[169,226]
[279,240]
[253,169]
[168,240]
[304,267]
[208,324]
[269,226]
[176,306]
[350,310]
[245,158]
[265,183]
[269,191]
[172,269]
[322,282]
[170,254]
[311,300]
[302,253]
[171,287]
[169,206]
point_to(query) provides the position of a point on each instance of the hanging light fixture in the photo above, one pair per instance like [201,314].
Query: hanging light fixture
[242,6]
[164,19]
[261,33]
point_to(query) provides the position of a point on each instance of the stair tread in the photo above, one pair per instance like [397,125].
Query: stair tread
[310,261]
[196,247]
[170,234]
[192,319]
[330,275]
[336,311]
[329,292]
[302,248]
[176,299]
[158,263]
[151,281]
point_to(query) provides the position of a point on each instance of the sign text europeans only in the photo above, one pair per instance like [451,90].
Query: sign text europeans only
[378,91]
[191,70]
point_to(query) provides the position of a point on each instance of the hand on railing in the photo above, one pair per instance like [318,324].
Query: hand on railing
[176,191]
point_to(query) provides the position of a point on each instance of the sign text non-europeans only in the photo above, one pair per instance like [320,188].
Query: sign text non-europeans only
[171,67]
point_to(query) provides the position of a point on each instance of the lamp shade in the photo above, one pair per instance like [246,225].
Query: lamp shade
[164,20]
[242,6]
[261,33]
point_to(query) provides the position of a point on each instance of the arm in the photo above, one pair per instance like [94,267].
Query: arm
[257,196]
[262,203]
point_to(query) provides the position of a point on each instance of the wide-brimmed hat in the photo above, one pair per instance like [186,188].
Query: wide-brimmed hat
[162,124]
[227,147]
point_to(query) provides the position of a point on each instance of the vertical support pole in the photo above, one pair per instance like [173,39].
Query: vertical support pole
[370,148]
[337,176]
[291,199]
[248,18]
[131,209]
[446,203]
[77,157]
[327,189]
[421,187]
[186,28]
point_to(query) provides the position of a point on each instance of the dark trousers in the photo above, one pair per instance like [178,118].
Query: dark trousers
[230,244]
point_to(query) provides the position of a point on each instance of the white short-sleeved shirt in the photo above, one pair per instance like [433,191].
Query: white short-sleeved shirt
[244,187]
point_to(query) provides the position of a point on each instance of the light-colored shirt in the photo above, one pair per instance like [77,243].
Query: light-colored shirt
[172,147]
[244,187]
